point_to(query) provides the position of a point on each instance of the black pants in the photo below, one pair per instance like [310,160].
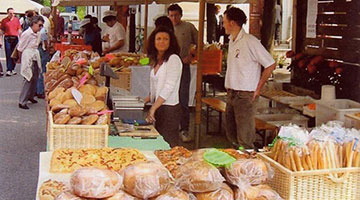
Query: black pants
[167,123]
[10,45]
[184,97]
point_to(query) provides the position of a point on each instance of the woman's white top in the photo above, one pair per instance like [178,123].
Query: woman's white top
[166,82]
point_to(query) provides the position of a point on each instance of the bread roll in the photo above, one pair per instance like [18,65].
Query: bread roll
[199,176]
[103,120]
[174,194]
[87,99]
[70,103]
[62,119]
[75,120]
[55,92]
[101,93]
[95,183]
[68,95]
[97,105]
[54,102]
[77,111]
[66,83]
[255,171]
[67,195]
[146,179]
[259,192]
[89,120]
[121,195]
[88,89]
[56,108]
[223,193]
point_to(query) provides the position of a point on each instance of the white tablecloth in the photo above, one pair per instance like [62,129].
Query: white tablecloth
[140,82]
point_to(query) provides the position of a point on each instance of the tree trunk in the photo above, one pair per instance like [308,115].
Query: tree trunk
[268,26]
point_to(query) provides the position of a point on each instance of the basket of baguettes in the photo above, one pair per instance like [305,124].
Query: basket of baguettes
[126,174]
[80,122]
[322,164]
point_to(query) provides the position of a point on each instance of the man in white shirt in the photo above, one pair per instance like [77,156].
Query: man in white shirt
[115,35]
[244,79]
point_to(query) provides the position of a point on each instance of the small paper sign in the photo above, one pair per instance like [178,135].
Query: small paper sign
[91,70]
[77,95]
[105,112]
[83,80]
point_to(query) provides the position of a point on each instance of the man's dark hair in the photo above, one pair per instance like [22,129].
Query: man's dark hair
[175,7]
[7,10]
[36,19]
[237,15]
[109,18]
[164,21]
[94,20]
[87,17]
[173,47]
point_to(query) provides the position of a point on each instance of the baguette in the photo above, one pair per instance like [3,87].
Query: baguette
[299,166]
[308,159]
[287,161]
[350,155]
[314,156]
[277,150]
[292,161]
[357,160]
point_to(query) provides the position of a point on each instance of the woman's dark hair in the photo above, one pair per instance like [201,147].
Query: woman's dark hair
[237,15]
[36,19]
[164,21]
[173,47]
[175,7]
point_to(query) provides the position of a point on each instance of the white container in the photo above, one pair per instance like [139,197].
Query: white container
[284,119]
[328,92]
[334,110]
[352,121]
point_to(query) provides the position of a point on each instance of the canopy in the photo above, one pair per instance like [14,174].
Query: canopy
[137,2]
[20,6]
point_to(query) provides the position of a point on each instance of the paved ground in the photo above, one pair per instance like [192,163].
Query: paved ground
[23,136]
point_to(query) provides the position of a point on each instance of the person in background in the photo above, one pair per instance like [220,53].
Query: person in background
[44,47]
[92,34]
[11,28]
[60,25]
[186,35]
[1,43]
[115,35]
[243,79]
[219,22]
[277,23]
[164,21]
[82,29]
[165,76]
[30,61]
[25,20]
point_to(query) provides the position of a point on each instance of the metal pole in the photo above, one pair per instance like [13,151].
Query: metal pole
[199,73]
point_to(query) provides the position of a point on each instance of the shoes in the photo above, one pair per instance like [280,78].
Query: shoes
[32,100]
[13,72]
[8,73]
[25,107]
[1,74]
[41,96]
[185,136]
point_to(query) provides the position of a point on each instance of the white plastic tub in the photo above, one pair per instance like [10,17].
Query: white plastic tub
[334,110]
[284,119]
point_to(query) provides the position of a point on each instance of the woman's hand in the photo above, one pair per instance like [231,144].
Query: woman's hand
[151,115]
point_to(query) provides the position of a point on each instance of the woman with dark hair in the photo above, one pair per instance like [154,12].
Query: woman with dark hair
[92,34]
[165,75]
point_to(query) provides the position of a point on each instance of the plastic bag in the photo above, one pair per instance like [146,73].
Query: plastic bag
[247,192]
[252,171]
[95,182]
[146,179]
[223,193]
[56,56]
[173,193]
[199,176]
[121,195]
[67,195]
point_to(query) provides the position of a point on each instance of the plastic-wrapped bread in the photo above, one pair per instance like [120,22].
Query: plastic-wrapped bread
[146,179]
[67,195]
[223,193]
[121,195]
[199,176]
[254,171]
[95,183]
[259,192]
[173,193]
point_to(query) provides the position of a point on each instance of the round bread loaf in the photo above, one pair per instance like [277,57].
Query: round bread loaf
[255,171]
[88,89]
[55,92]
[87,99]
[58,107]
[62,119]
[67,195]
[75,120]
[174,194]
[89,120]
[70,102]
[223,193]
[146,179]
[97,105]
[77,111]
[259,192]
[121,195]
[95,183]
[54,102]
[199,176]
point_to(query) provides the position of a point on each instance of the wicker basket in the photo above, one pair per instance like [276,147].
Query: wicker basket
[124,80]
[76,136]
[315,184]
